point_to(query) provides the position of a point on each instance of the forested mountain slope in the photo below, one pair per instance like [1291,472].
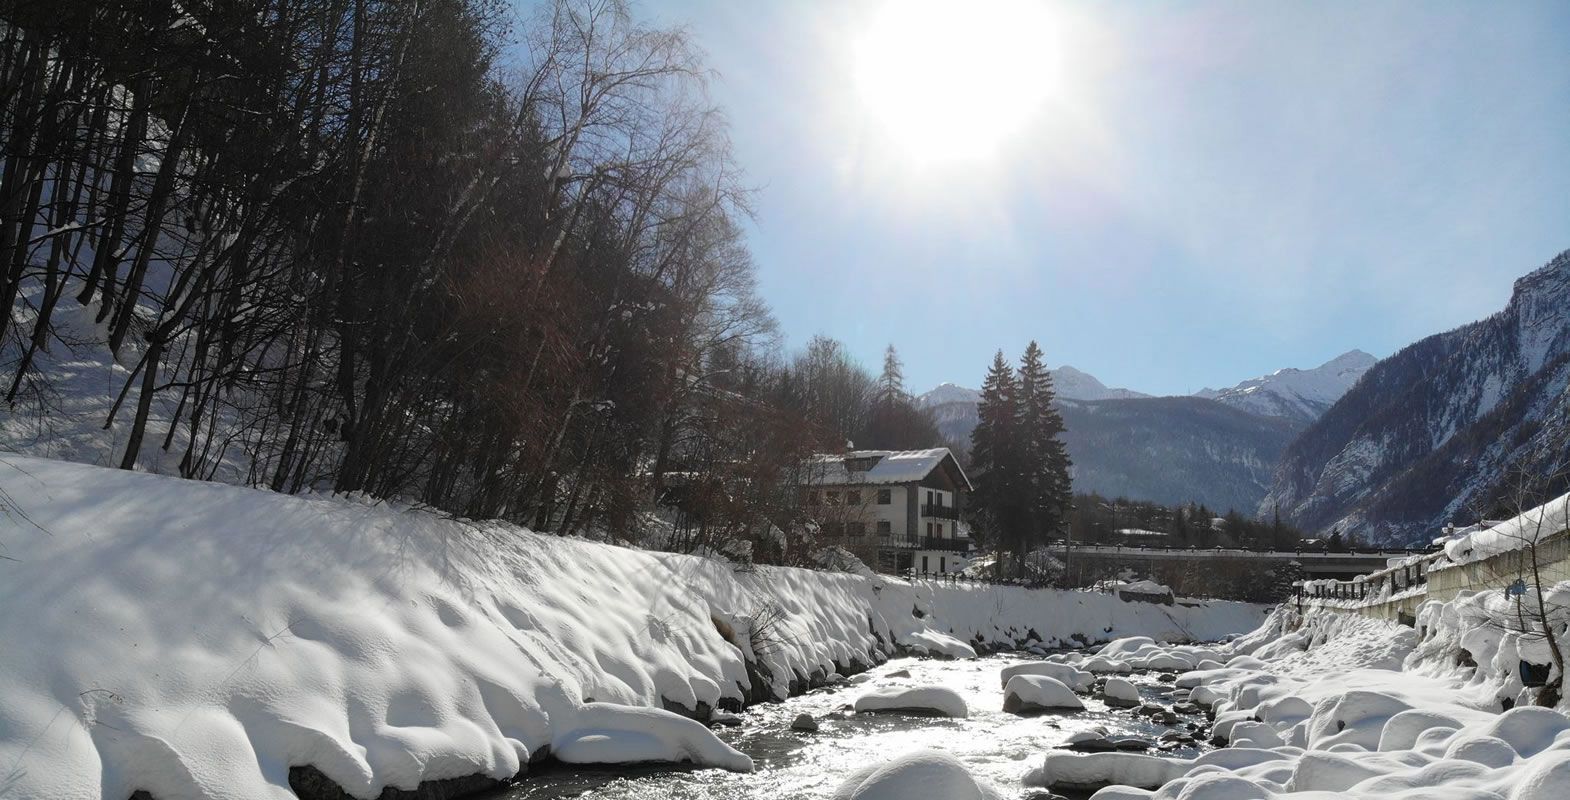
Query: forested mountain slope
[1164,449]
[1441,430]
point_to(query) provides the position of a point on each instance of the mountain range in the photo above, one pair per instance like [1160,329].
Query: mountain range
[1219,448]
[1460,426]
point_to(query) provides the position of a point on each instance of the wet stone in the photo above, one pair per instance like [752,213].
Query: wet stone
[804,722]
[1096,745]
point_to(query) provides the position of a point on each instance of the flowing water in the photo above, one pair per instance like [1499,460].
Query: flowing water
[995,746]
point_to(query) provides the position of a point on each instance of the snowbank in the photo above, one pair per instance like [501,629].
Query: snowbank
[1532,527]
[198,640]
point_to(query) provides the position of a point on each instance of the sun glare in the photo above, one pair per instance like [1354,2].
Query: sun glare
[949,81]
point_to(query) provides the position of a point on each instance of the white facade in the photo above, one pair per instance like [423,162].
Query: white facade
[900,507]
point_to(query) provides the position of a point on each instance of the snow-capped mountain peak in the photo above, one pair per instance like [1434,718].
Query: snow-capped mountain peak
[1301,394]
[1069,383]
[1072,384]
[947,393]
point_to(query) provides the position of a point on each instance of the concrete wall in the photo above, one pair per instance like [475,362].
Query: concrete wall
[1553,558]
[1445,581]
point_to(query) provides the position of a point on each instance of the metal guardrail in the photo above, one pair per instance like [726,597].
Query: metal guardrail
[1235,552]
[939,511]
[927,543]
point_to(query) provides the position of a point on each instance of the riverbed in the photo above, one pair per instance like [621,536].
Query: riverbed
[995,746]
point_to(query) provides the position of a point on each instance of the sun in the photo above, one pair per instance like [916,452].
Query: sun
[955,81]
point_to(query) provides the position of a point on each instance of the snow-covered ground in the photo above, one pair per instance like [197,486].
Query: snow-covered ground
[1338,705]
[196,640]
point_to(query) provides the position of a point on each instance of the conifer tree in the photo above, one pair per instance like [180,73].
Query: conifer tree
[995,458]
[1044,463]
[893,420]
[891,383]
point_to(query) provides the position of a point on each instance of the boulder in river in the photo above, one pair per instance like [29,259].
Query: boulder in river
[1094,744]
[804,722]
[1120,693]
[1032,694]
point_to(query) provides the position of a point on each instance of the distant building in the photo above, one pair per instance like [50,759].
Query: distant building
[897,509]
[1139,537]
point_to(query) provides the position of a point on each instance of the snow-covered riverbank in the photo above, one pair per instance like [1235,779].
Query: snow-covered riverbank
[1339,705]
[199,640]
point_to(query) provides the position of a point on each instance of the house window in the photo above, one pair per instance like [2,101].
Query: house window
[831,498]
[929,530]
[855,529]
[943,564]
[929,497]
[923,563]
[812,498]
[853,498]
[885,528]
[885,496]
[940,530]
[835,529]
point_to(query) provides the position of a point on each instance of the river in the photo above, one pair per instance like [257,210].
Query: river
[997,747]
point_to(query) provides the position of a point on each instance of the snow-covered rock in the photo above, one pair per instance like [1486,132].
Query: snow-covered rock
[1075,771]
[939,700]
[606,733]
[1119,692]
[918,775]
[1077,679]
[1027,694]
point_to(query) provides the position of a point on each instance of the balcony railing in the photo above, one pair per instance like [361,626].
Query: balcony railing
[927,543]
[939,511]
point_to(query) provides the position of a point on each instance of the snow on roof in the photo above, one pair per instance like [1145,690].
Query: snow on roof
[1141,532]
[885,466]
[1532,527]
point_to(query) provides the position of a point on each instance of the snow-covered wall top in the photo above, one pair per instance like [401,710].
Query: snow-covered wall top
[197,640]
[1530,528]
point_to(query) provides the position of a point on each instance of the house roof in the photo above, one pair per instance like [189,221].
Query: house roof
[891,466]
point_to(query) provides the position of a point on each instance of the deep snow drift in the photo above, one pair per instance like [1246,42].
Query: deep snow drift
[197,640]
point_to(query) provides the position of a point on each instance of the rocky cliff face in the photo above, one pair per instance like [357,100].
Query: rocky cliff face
[1441,430]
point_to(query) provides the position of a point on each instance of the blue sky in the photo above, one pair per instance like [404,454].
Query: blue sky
[1210,191]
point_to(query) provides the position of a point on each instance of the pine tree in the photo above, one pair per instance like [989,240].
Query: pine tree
[995,458]
[1044,463]
[891,384]
[893,420]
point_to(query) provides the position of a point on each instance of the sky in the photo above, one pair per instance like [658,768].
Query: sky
[1167,195]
